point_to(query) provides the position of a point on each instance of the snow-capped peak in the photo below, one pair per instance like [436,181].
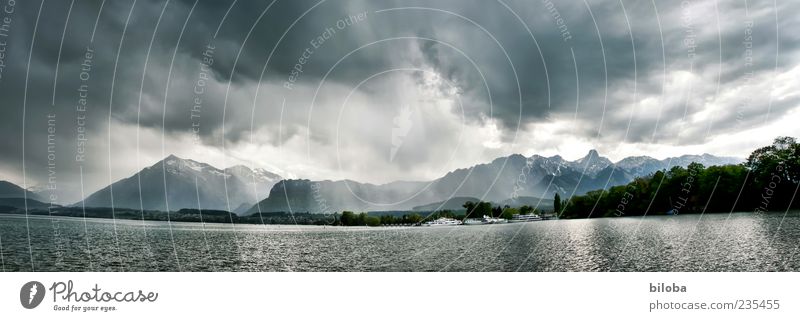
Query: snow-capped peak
[591,164]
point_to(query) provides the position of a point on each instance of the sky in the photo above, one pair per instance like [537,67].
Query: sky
[376,91]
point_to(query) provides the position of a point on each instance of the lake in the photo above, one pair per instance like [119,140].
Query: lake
[711,242]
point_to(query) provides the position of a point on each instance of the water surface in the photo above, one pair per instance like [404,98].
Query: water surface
[712,242]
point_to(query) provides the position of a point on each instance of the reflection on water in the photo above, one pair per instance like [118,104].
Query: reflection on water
[719,242]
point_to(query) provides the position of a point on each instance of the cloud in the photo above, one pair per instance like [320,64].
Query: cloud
[484,79]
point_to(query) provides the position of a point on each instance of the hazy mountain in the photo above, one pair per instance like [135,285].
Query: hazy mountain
[543,204]
[640,165]
[529,179]
[19,203]
[644,165]
[11,190]
[242,209]
[189,184]
[516,179]
[591,164]
[302,195]
[705,159]
[259,180]
[457,203]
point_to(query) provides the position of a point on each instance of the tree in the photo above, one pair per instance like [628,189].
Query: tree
[497,211]
[337,220]
[508,212]
[373,221]
[557,204]
[478,210]
[766,182]
[445,213]
[415,218]
[387,220]
[470,207]
[525,209]
[782,159]
[361,220]
[482,209]
[348,218]
[775,171]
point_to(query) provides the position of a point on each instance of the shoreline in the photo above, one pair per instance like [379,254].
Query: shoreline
[364,227]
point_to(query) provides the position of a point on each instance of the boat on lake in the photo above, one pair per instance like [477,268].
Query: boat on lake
[516,218]
[485,220]
[442,221]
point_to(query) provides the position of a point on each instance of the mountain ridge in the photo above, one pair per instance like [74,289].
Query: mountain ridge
[536,177]
[11,190]
[189,184]
[194,184]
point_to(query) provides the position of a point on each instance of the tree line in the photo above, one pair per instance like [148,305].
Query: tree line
[767,181]
[481,209]
[472,210]
[348,218]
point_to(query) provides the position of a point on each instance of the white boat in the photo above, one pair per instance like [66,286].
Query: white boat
[473,221]
[443,221]
[484,220]
[525,218]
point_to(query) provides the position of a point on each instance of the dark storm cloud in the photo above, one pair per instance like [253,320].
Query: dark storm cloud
[627,57]
[638,52]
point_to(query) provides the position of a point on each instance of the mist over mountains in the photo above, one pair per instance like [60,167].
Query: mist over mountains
[13,197]
[176,183]
[10,190]
[504,180]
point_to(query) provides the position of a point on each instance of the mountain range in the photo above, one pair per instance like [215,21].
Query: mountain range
[13,196]
[11,190]
[505,180]
[174,183]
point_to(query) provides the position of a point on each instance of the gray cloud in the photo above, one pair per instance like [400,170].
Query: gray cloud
[631,68]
